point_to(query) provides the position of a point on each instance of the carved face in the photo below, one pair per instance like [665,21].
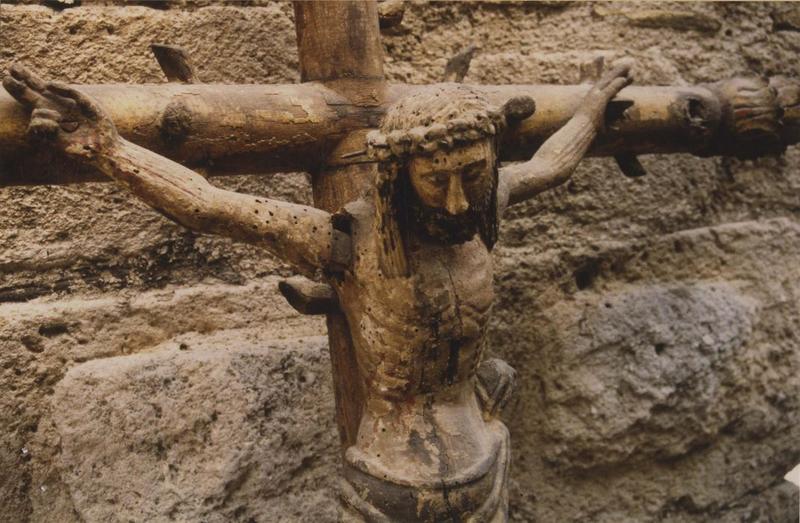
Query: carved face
[453,192]
[454,180]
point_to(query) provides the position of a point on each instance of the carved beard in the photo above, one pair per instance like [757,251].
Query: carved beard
[400,214]
[432,223]
[439,225]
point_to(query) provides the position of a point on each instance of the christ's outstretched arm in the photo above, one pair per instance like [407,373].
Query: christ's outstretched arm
[75,124]
[557,158]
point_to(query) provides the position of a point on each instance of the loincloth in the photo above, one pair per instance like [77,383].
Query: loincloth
[481,498]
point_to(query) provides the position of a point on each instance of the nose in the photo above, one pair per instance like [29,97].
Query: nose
[456,201]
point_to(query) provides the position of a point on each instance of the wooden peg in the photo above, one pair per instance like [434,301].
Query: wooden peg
[307,296]
[174,62]
[458,66]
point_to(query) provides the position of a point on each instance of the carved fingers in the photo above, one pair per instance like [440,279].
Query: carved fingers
[44,124]
[613,80]
[24,86]
[34,93]
[610,82]
[88,107]
[618,73]
[60,114]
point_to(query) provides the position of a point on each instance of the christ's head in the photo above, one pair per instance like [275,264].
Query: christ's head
[438,155]
[454,181]
[450,192]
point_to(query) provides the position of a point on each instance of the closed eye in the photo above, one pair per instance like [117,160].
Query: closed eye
[470,175]
[438,178]
[474,170]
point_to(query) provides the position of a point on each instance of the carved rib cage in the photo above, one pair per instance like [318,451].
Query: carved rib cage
[420,333]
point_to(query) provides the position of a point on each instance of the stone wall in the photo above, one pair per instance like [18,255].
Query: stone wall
[150,374]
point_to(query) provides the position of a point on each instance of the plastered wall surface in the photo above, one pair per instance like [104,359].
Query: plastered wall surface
[151,374]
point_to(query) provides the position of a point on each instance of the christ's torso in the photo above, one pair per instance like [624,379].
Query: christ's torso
[418,340]
[423,332]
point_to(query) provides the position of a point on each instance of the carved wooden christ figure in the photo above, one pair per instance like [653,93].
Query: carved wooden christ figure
[410,262]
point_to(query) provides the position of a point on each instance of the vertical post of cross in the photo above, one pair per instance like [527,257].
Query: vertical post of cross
[339,44]
[337,40]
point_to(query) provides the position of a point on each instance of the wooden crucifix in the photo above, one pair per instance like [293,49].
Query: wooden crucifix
[408,190]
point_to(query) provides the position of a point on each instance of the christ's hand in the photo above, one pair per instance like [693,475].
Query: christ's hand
[74,123]
[610,83]
[62,116]
[556,159]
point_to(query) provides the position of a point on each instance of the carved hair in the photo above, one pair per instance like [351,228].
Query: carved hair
[446,116]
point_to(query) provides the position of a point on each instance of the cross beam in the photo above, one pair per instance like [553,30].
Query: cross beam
[234,129]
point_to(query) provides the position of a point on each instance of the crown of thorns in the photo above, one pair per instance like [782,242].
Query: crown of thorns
[464,127]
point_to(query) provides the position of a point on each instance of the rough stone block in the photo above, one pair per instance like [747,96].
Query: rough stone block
[222,428]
